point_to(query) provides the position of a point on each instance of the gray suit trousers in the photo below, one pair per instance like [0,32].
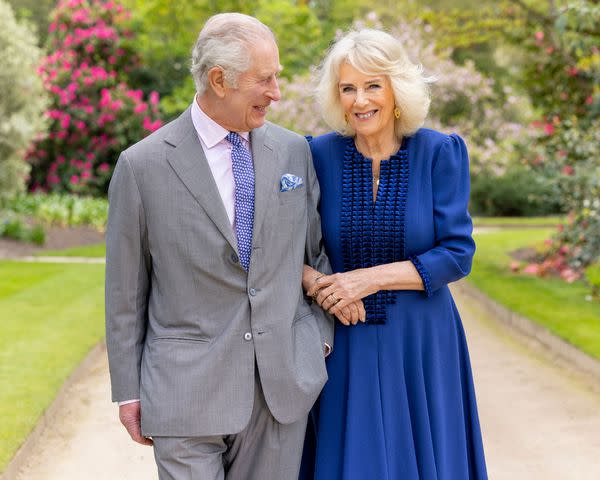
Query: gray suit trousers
[264,450]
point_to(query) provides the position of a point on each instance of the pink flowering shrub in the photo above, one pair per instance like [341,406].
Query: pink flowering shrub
[94,114]
[561,73]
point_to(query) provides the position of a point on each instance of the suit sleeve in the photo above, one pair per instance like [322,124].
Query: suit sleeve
[452,255]
[127,282]
[315,250]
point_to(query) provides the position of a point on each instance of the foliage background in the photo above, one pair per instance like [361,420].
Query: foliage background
[22,99]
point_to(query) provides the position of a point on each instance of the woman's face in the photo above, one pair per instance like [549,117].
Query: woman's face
[368,102]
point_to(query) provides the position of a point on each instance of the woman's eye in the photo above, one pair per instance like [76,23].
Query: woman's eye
[347,89]
[374,86]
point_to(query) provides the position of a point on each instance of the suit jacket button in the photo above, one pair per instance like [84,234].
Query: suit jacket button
[234,258]
[247,336]
[252,292]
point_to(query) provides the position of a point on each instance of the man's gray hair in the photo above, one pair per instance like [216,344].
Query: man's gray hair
[225,41]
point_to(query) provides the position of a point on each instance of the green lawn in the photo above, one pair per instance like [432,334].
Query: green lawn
[96,251]
[517,221]
[51,315]
[559,306]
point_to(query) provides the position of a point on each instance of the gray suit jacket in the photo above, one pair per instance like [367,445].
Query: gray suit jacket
[184,321]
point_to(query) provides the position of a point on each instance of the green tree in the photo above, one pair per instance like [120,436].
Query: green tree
[22,99]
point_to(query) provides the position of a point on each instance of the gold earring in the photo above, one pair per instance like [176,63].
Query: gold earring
[397,112]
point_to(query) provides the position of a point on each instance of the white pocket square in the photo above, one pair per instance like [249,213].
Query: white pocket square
[290,182]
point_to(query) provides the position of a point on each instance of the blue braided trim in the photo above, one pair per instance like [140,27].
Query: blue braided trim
[373,233]
[423,273]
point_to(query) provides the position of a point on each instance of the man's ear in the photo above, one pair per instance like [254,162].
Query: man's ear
[216,81]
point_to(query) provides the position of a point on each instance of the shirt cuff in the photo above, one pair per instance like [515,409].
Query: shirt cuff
[125,402]
[326,349]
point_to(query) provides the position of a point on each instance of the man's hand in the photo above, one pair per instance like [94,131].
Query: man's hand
[130,416]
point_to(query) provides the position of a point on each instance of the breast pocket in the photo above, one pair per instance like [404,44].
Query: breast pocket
[298,195]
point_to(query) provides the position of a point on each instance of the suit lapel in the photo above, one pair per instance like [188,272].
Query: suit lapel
[189,163]
[265,174]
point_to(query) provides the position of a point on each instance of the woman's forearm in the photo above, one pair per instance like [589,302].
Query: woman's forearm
[396,276]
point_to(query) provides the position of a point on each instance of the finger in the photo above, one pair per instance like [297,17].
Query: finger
[343,319]
[325,292]
[135,432]
[339,306]
[362,311]
[354,313]
[322,282]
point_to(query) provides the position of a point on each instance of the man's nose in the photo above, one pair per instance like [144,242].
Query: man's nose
[274,93]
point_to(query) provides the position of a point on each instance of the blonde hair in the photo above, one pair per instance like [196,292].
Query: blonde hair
[374,52]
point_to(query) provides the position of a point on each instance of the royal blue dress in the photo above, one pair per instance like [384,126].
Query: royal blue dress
[399,403]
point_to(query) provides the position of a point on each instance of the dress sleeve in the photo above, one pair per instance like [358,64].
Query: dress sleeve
[451,257]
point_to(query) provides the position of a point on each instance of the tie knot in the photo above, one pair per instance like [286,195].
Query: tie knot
[234,139]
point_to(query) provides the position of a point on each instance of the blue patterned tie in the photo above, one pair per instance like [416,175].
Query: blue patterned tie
[243,175]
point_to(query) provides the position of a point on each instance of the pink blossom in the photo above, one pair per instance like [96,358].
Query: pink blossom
[569,275]
[89,48]
[568,170]
[65,121]
[112,59]
[116,105]
[60,159]
[589,100]
[550,50]
[62,27]
[548,129]
[87,165]
[532,269]
[51,27]
[515,266]
[150,125]
[90,156]
[74,180]
[539,35]
[61,135]
[103,167]
[154,98]
[572,71]
[109,5]
[53,179]
[142,107]
[135,94]
[85,175]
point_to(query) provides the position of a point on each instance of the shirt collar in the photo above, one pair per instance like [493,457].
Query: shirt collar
[209,131]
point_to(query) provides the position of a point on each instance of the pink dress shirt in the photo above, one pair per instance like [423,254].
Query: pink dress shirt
[218,154]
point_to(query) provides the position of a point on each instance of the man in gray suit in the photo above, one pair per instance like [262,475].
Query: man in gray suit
[215,355]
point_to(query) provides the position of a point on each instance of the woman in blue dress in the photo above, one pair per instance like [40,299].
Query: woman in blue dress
[400,402]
